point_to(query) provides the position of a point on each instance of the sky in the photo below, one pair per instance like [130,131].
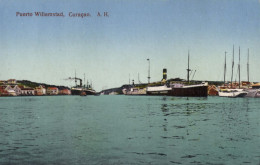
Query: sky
[111,49]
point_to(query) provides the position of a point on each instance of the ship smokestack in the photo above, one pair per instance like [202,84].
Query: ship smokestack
[164,74]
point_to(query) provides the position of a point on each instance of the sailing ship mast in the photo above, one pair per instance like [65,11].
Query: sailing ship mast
[232,67]
[84,80]
[148,71]
[248,66]
[239,70]
[188,70]
[75,79]
[139,79]
[225,69]
[129,79]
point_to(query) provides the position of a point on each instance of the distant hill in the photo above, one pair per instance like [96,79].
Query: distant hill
[35,84]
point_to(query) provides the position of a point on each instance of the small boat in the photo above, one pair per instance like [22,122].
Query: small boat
[232,93]
[254,91]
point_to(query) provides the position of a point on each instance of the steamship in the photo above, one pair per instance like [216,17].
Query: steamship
[77,90]
[178,88]
[80,89]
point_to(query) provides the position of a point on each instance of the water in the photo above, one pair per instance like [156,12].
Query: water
[129,130]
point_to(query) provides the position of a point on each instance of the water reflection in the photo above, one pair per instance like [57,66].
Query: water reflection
[235,122]
[144,130]
[165,110]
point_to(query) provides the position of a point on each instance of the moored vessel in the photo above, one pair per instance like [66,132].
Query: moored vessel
[254,91]
[196,90]
[78,89]
[179,88]
[234,90]
[232,93]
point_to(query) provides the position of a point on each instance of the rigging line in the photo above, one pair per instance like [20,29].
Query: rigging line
[232,66]
[237,74]
[193,74]
[248,65]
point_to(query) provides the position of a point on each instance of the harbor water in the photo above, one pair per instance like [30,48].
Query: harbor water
[129,130]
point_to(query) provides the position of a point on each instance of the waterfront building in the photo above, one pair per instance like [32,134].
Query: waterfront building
[52,91]
[11,81]
[40,90]
[26,90]
[17,89]
[2,82]
[65,92]
[10,90]
[3,92]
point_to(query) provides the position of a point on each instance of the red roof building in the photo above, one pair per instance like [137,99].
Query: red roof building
[52,91]
[65,92]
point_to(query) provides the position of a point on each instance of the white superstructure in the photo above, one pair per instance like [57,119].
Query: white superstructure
[232,93]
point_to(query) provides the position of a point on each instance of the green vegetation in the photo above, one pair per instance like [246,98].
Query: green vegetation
[30,84]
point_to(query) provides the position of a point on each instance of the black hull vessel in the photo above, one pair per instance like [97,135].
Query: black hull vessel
[180,88]
[75,91]
[78,91]
[199,90]
[90,92]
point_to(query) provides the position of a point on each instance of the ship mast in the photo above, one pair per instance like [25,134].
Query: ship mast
[84,81]
[232,67]
[225,69]
[148,71]
[75,79]
[139,79]
[248,66]
[239,69]
[129,79]
[188,70]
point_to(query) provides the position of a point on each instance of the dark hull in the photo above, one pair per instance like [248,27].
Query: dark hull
[75,92]
[158,93]
[201,91]
[90,92]
[198,91]
[78,92]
